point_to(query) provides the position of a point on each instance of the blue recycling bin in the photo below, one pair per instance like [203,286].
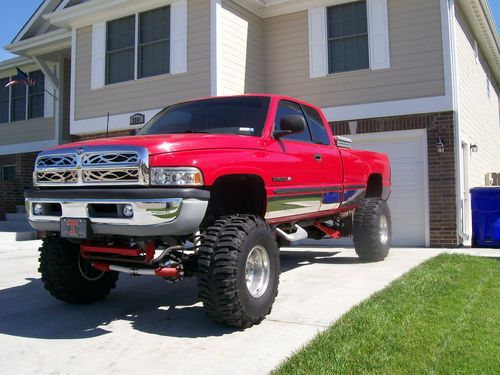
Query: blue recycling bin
[485,203]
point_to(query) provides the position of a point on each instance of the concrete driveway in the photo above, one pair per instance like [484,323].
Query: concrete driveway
[149,325]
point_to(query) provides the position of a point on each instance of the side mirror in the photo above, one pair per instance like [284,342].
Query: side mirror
[289,125]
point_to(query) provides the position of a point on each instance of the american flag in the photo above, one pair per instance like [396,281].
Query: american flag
[21,79]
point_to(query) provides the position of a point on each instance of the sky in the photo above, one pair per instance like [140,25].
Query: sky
[17,12]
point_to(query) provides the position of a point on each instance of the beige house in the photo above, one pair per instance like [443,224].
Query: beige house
[416,79]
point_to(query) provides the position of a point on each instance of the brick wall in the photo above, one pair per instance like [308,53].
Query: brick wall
[12,192]
[442,194]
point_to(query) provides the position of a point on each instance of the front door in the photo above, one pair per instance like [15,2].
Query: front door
[297,189]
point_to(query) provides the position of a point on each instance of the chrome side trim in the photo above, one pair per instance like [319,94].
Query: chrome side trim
[282,206]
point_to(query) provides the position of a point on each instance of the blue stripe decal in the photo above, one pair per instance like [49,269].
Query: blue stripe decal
[332,197]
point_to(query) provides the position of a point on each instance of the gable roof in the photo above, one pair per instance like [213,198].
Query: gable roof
[36,24]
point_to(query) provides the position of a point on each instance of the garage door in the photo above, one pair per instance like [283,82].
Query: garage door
[408,202]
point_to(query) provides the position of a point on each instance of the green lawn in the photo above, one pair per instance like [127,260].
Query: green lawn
[443,317]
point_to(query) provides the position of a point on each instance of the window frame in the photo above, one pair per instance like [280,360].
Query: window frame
[344,37]
[137,46]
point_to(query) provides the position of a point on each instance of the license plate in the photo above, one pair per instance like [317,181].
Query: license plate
[75,227]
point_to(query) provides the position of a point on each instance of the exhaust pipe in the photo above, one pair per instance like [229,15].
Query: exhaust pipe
[166,272]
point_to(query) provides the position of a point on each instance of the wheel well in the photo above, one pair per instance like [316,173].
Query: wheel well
[238,194]
[374,187]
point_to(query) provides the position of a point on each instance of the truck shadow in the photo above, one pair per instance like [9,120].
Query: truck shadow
[147,304]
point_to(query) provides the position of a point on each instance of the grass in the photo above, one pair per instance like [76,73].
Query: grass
[443,317]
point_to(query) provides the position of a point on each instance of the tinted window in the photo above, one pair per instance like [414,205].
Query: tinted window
[9,173]
[347,37]
[316,126]
[287,108]
[243,116]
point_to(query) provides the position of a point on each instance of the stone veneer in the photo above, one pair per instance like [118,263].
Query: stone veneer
[442,193]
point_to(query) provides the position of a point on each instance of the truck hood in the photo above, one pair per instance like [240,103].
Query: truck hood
[163,143]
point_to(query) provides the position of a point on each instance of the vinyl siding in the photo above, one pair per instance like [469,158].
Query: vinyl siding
[415,50]
[152,92]
[241,50]
[39,129]
[478,113]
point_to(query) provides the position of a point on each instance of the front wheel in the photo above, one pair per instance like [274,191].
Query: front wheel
[238,270]
[372,230]
[69,277]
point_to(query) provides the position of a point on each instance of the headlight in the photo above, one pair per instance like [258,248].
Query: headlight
[176,176]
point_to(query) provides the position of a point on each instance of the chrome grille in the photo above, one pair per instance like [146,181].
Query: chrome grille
[110,158]
[56,161]
[93,165]
[57,176]
[131,175]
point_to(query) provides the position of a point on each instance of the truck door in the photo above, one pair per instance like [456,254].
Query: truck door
[298,173]
[331,161]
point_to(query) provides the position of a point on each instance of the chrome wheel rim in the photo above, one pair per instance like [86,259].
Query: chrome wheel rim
[257,271]
[383,230]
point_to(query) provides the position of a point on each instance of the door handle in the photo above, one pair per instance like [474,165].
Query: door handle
[317,157]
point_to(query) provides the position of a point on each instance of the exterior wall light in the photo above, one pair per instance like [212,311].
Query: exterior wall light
[440,146]
[474,148]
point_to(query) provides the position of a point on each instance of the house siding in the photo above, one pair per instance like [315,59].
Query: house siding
[478,113]
[415,49]
[241,50]
[34,130]
[152,92]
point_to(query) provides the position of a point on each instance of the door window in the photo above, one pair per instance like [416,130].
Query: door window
[287,108]
[316,126]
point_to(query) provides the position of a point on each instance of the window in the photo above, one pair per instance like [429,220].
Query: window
[347,37]
[36,95]
[154,42]
[8,172]
[138,52]
[18,103]
[23,102]
[4,101]
[120,49]
[287,108]
[316,126]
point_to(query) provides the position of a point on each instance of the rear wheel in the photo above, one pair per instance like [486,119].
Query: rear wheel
[238,270]
[69,277]
[372,230]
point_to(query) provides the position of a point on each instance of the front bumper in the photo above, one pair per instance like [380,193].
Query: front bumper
[156,212]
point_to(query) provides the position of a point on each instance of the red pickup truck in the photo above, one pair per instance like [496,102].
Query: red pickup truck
[208,188]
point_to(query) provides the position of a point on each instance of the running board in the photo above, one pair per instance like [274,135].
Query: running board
[300,234]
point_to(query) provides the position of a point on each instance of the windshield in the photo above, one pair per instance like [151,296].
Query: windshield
[236,115]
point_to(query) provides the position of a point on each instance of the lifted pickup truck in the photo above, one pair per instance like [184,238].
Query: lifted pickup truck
[208,188]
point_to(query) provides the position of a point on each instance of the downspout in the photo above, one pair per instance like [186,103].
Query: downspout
[462,236]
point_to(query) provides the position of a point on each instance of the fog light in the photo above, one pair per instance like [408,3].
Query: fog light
[128,210]
[37,209]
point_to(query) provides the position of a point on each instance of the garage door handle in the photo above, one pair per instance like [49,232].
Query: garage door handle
[317,157]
